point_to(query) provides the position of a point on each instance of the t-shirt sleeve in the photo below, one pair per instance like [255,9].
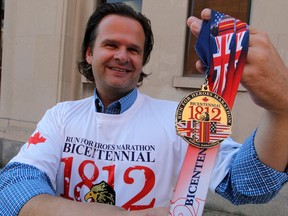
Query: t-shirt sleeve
[43,149]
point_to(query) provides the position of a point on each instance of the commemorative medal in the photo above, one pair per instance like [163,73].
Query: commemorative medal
[203,118]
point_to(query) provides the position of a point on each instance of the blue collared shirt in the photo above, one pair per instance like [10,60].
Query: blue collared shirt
[118,106]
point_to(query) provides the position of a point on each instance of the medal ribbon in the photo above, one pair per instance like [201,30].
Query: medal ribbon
[222,46]
[225,53]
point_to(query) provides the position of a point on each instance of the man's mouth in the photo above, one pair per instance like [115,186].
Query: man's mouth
[120,69]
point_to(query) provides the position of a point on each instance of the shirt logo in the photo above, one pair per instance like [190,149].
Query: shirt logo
[36,139]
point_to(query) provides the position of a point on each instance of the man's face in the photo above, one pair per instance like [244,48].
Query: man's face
[117,55]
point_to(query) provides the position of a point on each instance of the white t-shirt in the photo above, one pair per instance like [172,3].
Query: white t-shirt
[137,153]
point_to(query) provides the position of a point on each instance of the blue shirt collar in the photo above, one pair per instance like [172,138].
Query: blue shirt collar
[118,106]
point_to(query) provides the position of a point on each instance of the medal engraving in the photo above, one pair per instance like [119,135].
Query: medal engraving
[203,119]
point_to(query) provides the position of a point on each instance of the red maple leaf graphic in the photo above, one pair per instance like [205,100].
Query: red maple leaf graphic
[205,99]
[35,139]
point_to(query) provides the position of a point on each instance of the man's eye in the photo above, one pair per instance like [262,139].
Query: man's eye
[134,50]
[111,45]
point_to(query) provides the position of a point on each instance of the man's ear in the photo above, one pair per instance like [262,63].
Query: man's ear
[88,55]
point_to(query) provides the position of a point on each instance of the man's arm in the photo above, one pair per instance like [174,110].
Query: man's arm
[266,78]
[248,180]
[48,205]
[271,141]
[23,184]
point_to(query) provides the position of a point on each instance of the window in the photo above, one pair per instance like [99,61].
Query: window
[135,4]
[236,8]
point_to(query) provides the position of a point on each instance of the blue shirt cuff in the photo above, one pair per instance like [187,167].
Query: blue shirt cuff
[249,180]
[19,183]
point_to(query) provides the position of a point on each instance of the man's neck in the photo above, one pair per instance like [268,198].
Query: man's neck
[124,102]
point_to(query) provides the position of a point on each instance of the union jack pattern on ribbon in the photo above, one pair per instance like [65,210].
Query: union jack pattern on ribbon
[225,55]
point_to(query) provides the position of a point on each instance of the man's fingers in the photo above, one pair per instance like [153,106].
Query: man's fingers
[200,66]
[206,14]
[194,24]
[256,36]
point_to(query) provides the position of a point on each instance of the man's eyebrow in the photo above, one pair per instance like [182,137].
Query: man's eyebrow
[107,41]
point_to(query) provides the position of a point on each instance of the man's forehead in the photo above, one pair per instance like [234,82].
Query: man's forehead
[118,18]
[117,24]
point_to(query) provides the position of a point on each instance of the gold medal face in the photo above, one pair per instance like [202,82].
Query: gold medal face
[203,119]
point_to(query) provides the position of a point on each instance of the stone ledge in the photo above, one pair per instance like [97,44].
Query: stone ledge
[19,131]
[8,149]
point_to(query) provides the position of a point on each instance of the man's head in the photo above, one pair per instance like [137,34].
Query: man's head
[90,36]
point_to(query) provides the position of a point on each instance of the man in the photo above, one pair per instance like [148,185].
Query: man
[115,148]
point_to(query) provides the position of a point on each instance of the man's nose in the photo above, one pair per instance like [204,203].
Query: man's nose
[121,55]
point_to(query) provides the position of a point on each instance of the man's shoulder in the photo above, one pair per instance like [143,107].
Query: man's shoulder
[81,104]
[158,101]
[76,102]
[157,106]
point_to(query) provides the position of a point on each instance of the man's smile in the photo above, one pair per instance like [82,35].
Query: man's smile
[120,69]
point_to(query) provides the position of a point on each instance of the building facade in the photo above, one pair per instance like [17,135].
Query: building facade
[41,47]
